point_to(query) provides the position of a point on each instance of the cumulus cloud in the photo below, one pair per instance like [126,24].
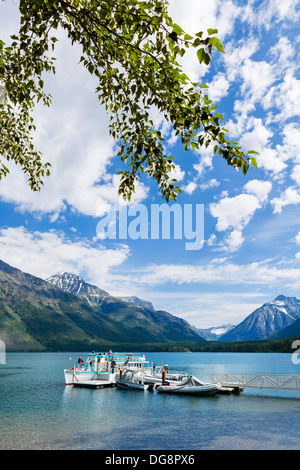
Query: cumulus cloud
[43,254]
[285,97]
[177,173]
[190,187]
[260,189]
[290,196]
[218,88]
[236,212]
[257,78]
[213,183]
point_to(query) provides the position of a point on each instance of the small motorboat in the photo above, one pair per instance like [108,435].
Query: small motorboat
[167,378]
[192,386]
[134,379]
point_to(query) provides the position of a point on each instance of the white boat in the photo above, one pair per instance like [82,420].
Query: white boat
[192,386]
[105,367]
[157,378]
[133,379]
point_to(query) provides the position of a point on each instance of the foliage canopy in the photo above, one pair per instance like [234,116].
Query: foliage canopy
[133,48]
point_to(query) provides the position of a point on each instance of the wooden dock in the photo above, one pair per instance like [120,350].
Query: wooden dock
[94,384]
[239,381]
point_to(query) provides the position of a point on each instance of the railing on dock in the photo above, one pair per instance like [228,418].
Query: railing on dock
[281,381]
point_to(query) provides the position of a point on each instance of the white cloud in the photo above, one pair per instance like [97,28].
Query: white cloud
[258,138]
[213,183]
[270,12]
[297,238]
[43,254]
[234,212]
[285,97]
[295,175]
[290,196]
[255,274]
[218,88]
[260,189]
[212,239]
[257,78]
[210,308]
[234,241]
[177,173]
[282,53]
[190,187]
[237,53]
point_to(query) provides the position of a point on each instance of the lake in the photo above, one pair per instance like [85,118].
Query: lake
[37,410]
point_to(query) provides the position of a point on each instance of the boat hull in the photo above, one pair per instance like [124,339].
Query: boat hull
[181,390]
[131,386]
[80,376]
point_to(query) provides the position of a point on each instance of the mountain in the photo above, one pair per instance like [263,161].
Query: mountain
[76,285]
[139,302]
[94,295]
[148,324]
[266,320]
[291,331]
[36,315]
[213,333]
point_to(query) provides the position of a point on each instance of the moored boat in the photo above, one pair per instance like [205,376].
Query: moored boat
[133,379]
[157,378]
[103,366]
[192,386]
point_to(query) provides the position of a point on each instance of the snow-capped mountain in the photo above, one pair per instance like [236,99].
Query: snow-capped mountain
[214,333]
[76,285]
[137,314]
[266,320]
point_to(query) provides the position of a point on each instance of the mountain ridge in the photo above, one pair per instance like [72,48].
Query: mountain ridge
[266,320]
[38,316]
[215,332]
[134,316]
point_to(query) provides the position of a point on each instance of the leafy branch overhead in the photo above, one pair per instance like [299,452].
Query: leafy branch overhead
[133,48]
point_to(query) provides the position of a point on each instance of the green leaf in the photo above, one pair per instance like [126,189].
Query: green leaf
[217,43]
[212,31]
[253,162]
[203,56]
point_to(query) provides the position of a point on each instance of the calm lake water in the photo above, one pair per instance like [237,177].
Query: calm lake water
[37,410]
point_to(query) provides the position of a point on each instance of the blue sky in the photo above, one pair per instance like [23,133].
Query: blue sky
[251,251]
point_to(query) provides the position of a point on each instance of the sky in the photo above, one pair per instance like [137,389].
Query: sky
[250,224]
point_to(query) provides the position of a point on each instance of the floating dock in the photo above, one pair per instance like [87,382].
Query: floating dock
[239,381]
[94,384]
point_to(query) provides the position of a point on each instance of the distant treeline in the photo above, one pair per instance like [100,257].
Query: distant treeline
[278,346]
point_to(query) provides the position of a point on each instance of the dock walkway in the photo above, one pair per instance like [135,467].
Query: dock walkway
[279,381]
